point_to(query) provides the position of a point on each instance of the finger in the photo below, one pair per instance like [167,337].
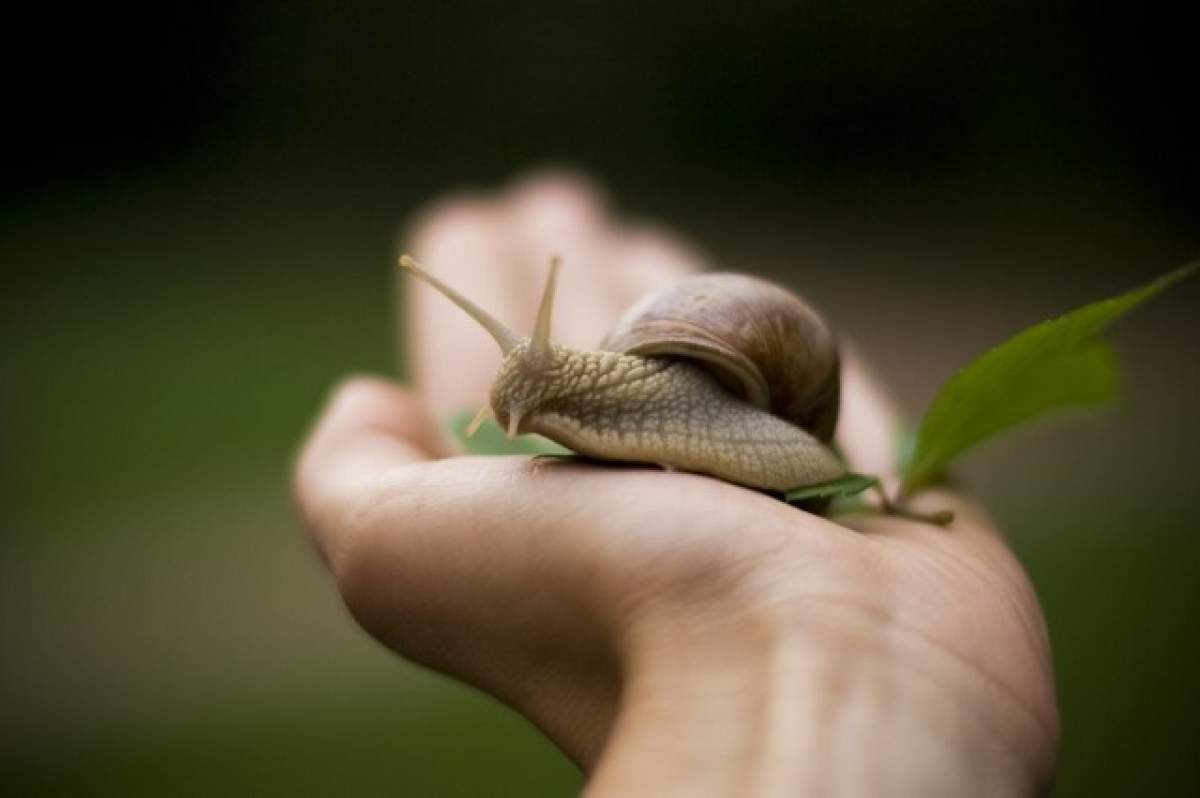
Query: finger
[464,242]
[649,258]
[870,422]
[560,213]
[368,428]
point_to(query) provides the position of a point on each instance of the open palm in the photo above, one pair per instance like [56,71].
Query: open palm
[673,634]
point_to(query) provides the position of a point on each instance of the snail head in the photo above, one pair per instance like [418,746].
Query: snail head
[521,385]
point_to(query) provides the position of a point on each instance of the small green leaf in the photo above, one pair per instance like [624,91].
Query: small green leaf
[1055,364]
[490,439]
[846,485]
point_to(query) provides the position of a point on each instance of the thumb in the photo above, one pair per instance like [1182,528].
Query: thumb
[368,427]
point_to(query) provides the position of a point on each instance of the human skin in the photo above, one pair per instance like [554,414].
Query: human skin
[672,634]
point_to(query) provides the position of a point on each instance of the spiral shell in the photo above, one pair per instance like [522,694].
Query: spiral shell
[763,342]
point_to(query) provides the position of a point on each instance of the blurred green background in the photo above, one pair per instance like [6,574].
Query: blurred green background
[199,213]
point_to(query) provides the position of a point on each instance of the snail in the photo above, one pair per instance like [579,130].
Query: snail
[720,374]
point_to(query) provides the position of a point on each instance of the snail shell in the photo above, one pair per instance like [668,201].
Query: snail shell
[764,343]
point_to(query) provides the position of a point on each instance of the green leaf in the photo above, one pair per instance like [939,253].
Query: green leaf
[1053,365]
[846,485]
[490,439]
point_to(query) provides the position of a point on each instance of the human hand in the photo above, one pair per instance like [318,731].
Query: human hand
[672,633]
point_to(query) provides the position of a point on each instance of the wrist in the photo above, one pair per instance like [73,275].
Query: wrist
[762,700]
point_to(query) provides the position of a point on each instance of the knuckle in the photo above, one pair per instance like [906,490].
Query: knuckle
[556,202]
[449,219]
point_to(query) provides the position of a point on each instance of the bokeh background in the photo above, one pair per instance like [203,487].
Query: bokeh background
[200,207]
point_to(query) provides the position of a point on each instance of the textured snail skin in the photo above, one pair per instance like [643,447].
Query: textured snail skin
[652,409]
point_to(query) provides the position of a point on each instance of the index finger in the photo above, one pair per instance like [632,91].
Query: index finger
[464,241]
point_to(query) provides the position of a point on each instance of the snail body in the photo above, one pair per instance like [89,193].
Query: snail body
[680,395]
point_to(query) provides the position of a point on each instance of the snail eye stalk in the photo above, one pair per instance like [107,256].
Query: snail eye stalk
[504,336]
[540,343]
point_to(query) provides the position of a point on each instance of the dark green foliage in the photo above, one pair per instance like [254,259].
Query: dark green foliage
[847,485]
